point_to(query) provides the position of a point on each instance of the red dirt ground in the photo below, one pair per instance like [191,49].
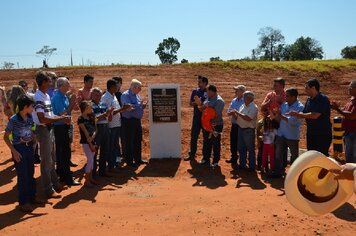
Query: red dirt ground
[172,197]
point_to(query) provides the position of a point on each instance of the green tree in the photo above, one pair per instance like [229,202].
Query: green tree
[215,59]
[349,52]
[167,50]
[270,40]
[46,52]
[7,65]
[305,49]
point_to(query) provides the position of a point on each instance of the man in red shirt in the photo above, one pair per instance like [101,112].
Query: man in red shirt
[84,93]
[276,98]
[349,123]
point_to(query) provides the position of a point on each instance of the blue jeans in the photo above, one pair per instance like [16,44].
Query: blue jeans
[212,142]
[114,146]
[350,147]
[246,143]
[26,183]
[194,135]
[102,140]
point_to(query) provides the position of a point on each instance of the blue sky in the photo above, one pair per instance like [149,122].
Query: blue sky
[106,31]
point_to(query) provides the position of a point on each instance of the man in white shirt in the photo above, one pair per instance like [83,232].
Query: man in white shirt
[44,118]
[110,100]
[247,119]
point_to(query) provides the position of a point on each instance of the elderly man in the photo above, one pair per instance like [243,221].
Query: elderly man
[62,106]
[276,98]
[132,126]
[247,119]
[349,123]
[44,118]
[196,127]
[212,140]
[235,105]
[102,114]
[288,133]
[317,115]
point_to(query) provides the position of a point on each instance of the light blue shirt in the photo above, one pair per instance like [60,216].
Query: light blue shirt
[218,104]
[128,97]
[291,129]
[60,103]
[235,105]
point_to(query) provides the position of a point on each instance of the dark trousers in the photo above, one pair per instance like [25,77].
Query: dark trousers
[115,150]
[102,140]
[234,135]
[26,183]
[350,147]
[194,135]
[122,142]
[319,142]
[282,144]
[63,152]
[212,142]
[132,130]
[71,136]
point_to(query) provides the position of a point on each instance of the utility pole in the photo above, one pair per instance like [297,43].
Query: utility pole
[71,58]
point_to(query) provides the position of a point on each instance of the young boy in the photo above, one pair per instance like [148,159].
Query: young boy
[22,148]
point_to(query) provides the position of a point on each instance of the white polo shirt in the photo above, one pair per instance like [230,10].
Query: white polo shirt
[251,111]
[111,101]
[43,105]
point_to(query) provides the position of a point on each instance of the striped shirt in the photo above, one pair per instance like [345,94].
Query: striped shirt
[100,109]
[42,105]
[20,129]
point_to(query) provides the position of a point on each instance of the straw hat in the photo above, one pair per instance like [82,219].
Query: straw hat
[311,187]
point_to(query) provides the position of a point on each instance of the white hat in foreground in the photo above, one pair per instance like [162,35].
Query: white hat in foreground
[312,188]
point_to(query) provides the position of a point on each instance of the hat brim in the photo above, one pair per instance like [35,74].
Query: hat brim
[298,200]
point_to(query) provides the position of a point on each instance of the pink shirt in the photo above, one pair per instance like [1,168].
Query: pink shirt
[276,100]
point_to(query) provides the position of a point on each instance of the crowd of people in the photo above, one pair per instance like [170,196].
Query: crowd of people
[109,126]
[279,130]
[40,129]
